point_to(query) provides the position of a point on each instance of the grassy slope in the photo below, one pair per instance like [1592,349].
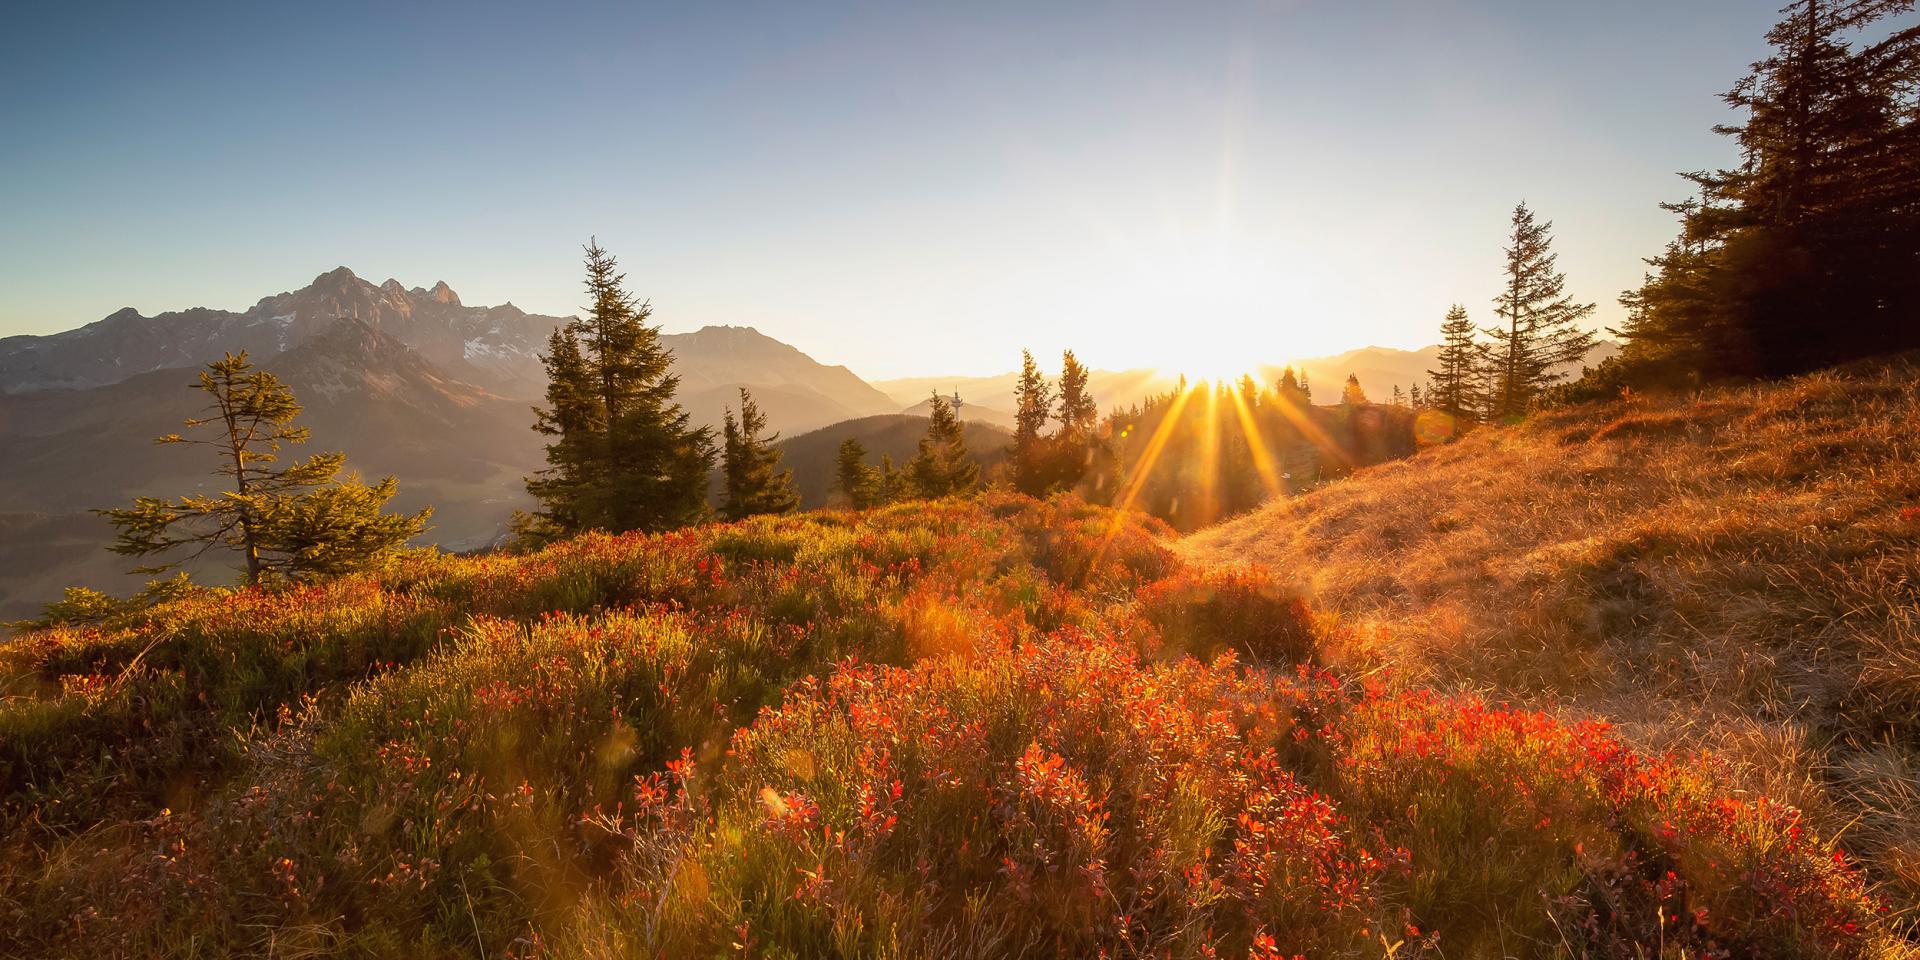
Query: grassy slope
[1738,570]
[962,728]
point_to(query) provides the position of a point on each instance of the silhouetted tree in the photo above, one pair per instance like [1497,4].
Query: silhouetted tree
[624,455]
[856,479]
[754,483]
[1351,395]
[1808,253]
[297,521]
[1539,332]
[1028,453]
[1293,391]
[1078,413]
[943,467]
[1456,387]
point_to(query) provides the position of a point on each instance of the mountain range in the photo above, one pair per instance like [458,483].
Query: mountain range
[412,382]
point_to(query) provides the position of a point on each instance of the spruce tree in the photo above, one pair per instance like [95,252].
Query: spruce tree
[1028,453]
[1539,331]
[1292,390]
[296,522]
[857,481]
[754,482]
[1456,385]
[895,485]
[624,456]
[576,422]
[1808,252]
[943,467]
[1078,413]
[1351,395]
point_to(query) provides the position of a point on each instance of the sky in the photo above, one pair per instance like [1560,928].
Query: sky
[904,188]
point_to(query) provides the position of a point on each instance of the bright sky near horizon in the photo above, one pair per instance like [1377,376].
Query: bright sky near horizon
[903,188]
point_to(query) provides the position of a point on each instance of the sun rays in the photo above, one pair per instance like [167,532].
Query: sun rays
[1221,445]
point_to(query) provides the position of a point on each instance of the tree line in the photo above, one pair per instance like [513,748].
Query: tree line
[1807,252]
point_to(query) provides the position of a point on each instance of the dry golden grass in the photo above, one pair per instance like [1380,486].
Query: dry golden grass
[1738,570]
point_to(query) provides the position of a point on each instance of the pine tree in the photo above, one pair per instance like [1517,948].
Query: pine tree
[576,422]
[754,482]
[1078,413]
[943,467]
[857,481]
[1456,386]
[296,522]
[1808,253]
[1351,395]
[625,455]
[1293,391]
[1306,391]
[1028,452]
[895,485]
[1415,398]
[1539,332]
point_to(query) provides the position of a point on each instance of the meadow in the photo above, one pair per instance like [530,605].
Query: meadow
[1734,570]
[984,727]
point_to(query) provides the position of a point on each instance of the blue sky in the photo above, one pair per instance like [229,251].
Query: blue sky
[903,188]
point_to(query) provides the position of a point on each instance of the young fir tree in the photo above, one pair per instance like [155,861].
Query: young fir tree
[1416,399]
[1456,384]
[625,456]
[1351,395]
[857,481]
[1028,454]
[1539,331]
[754,482]
[943,467]
[297,521]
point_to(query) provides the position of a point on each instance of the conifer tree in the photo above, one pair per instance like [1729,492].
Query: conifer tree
[754,482]
[1808,253]
[895,485]
[1293,391]
[1456,385]
[943,467]
[297,521]
[1415,398]
[1078,413]
[624,456]
[1028,452]
[1306,391]
[857,481]
[1351,395]
[1539,318]
[1399,396]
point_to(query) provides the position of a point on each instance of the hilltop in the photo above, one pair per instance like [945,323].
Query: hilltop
[1737,569]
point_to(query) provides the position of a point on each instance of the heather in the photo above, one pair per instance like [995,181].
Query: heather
[985,727]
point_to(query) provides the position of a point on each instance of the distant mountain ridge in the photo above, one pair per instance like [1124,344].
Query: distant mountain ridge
[406,381]
[496,349]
